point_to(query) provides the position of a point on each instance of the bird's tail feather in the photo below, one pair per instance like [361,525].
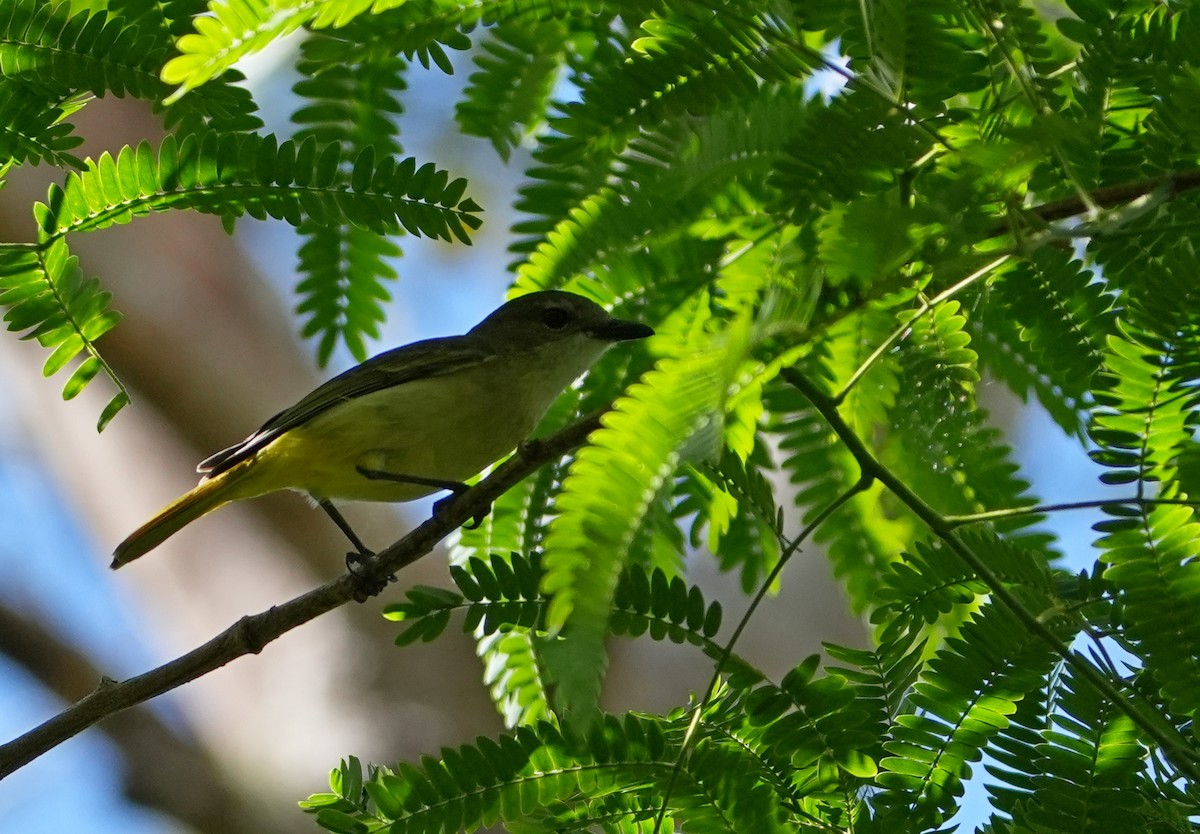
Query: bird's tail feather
[202,499]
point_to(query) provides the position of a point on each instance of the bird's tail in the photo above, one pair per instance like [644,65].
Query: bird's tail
[202,499]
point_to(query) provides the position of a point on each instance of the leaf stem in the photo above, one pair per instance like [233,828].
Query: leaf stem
[727,651]
[1166,737]
[925,308]
[956,521]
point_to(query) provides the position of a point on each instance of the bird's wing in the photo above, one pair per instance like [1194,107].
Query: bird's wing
[419,360]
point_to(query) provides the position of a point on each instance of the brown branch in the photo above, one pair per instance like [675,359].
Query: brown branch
[1175,749]
[252,633]
[165,769]
[1116,195]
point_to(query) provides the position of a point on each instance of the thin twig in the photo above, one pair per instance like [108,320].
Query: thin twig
[954,521]
[1166,737]
[790,550]
[252,633]
[924,309]
[1110,197]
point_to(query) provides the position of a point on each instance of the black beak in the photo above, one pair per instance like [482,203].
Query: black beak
[620,330]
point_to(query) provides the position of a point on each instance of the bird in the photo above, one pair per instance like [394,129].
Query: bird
[410,421]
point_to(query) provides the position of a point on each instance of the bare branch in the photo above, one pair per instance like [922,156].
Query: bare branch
[1117,195]
[1153,724]
[252,633]
[165,769]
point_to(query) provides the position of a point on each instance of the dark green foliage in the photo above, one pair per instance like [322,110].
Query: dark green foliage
[813,731]
[663,607]
[336,307]
[863,536]
[507,96]
[42,46]
[236,174]
[1143,423]
[1087,765]
[964,697]
[861,539]
[61,56]
[822,163]
[502,604]
[931,581]
[999,196]
[734,503]
[691,63]
[350,192]
[32,132]
[923,51]
[539,779]
[519,779]
[881,678]
[230,175]
[1063,315]
[49,300]
[947,452]
[167,18]
[587,544]
[350,94]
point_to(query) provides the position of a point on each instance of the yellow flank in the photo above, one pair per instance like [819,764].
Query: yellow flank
[446,428]
[374,431]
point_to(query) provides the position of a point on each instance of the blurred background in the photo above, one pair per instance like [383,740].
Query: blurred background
[209,348]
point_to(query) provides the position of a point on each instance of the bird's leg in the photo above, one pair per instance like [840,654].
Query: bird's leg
[344,526]
[437,483]
[455,487]
[367,583]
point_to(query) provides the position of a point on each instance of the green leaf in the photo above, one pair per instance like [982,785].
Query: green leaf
[340,822]
[45,296]
[231,30]
[608,493]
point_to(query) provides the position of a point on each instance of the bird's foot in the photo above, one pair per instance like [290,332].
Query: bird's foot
[367,579]
[531,447]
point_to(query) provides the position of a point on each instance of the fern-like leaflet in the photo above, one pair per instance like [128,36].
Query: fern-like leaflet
[508,95]
[236,174]
[1143,422]
[60,55]
[32,132]
[350,97]
[48,298]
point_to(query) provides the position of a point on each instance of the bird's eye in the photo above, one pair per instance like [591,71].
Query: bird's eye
[556,318]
